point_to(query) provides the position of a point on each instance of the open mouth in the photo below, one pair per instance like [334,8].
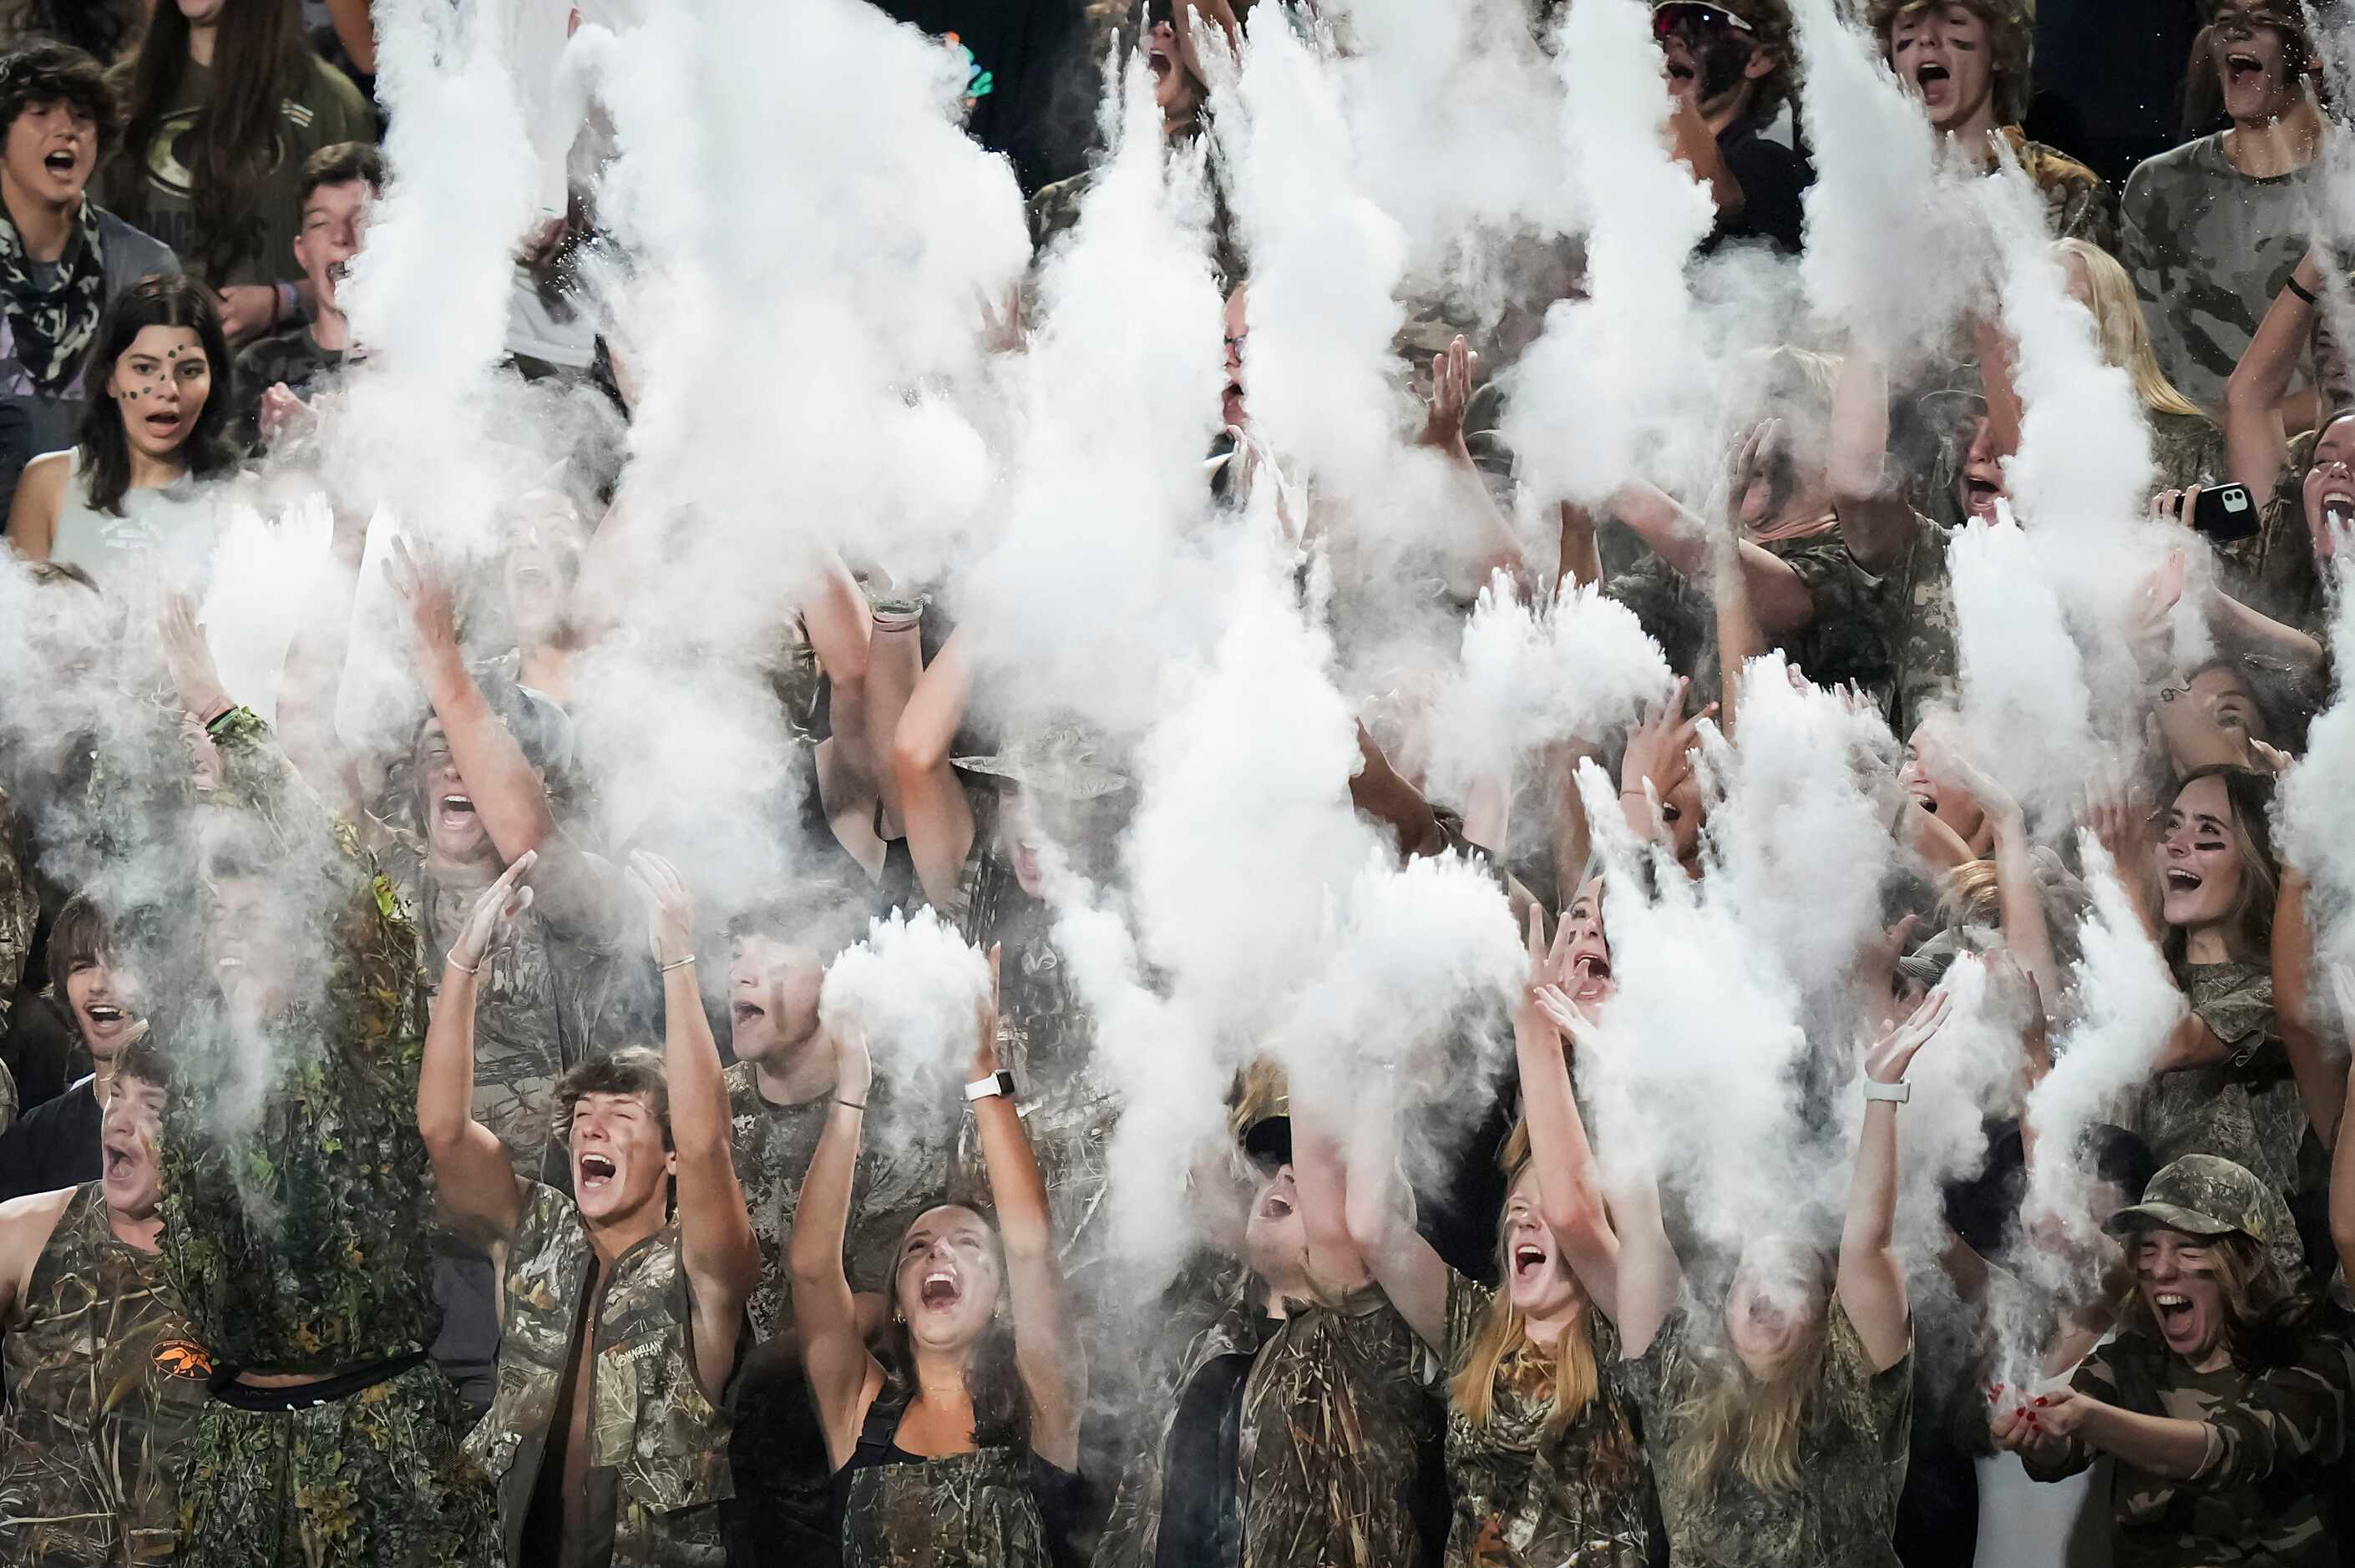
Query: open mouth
[1680,69]
[1528,1260]
[162,424]
[1924,798]
[744,1013]
[230,963]
[2174,1308]
[104,1017]
[1275,1206]
[596,1170]
[457,810]
[940,1290]
[337,271]
[1158,61]
[61,162]
[2179,880]
[1589,973]
[120,1159]
[1931,71]
[1980,494]
[2241,68]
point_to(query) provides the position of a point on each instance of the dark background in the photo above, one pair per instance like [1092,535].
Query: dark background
[2109,78]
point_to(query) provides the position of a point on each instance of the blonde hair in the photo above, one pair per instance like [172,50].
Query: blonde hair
[1733,1417]
[1502,1354]
[2124,332]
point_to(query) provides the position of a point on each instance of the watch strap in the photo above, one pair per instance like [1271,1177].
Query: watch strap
[1895,1094]
[998,1083]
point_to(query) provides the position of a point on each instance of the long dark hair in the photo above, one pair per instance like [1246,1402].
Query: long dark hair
[152,301]
[1001,1410]
[2251,794]
[258,61]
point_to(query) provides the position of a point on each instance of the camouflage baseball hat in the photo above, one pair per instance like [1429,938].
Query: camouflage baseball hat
[2208,1195]
[1056,758]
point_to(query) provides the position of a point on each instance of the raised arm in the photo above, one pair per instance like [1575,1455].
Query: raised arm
[835,617]
[1046,1349]
[2342,1153]
[1491,547]
[2019,895]
[2256,438]
[313,675]
[933,804]
[480,1196]
[1642,1291]
[1569,1185]
[715,1233]
[1410,1272]
[255,774]
[1677,536]
[1871,1285]
[2320,1072]
[1875,522]
[1386,795]
[843,1376]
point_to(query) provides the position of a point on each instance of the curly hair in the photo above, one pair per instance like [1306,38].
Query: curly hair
[2011,38]
[36,71]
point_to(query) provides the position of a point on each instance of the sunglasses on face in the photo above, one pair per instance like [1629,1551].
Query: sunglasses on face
[1676,16]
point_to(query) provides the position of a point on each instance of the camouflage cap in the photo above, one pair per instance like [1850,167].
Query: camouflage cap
[2208,1195]
[1056,758]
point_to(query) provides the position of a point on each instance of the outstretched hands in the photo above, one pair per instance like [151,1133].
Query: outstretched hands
[422,583]
[1659,748]
[1886,1059]
[670,907]
[1451,394]
[190,657]
[493,914]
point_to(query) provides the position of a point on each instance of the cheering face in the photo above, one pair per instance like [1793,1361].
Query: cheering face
[538,586]
[1275,1238]
[773,991]
[949,1279]
[1022,836]
[129,1137]
[333,218]
[1231,408]
[2177,1276]
[1587,959]
[50,151]
[101,1011]
[2329,489]
[2198,865]
[2224,697]
[1980,484]
[1948,801]
[619,1164]
[1538,1279]
[161,383]
[250,949]
[1176,92]
[1775,1302]
[1944,53]
[1705,52]
[453,829]
[2250,42]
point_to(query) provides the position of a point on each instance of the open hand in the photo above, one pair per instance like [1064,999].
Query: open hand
[670,907]
[493,914]
[1886,1059]
[1659,748]
[1451,394]
[190,657]
[282,410]
[422,584]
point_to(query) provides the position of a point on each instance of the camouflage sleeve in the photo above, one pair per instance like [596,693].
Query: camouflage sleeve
[19,911]
[2236,1015]
[2135,252]
[2096,1380]
[257,778]
[2295,1416]
[2082,211]
[1467,1305]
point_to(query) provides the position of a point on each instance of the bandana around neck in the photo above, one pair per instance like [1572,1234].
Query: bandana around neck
[53,326]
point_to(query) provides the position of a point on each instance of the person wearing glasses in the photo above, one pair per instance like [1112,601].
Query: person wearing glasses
[1729,67]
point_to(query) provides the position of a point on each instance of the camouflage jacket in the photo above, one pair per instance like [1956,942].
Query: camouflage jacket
[2187,449]
[1337,1421]
[547,1003]
[2209,248]
[2246,1107]
[2077,205]
[1523,1499]
[658,1443]
[296,1204]
[2276,1451]
[1843,642]
[103,1384]
[1912,606]
[1852,1447]
[1046,1040]
[773,1147]
[20,910]
[992,1508]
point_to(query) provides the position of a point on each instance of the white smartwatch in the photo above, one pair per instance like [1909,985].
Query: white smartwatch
[1896,1094]
[998,1083]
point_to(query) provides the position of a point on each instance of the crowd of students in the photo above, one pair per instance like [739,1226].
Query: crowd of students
[405,1162]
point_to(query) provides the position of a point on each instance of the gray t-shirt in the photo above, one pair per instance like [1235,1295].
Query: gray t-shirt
[2209,248]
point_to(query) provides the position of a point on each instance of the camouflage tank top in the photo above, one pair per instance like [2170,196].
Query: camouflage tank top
[104,1384]
[995,1508]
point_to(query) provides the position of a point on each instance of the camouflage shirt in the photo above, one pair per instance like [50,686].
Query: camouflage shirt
[1852,1445]
[1337,1421]
[2246,1107]
[2076,203]
[20,910]
[299,1242]
[103,1384]
[995,1506]
[2273,571]
[773,1144]
[1843,641]
[1911,608]
[2277,1449]
[548,1000]
[657,1444]
[2209,248]
[2186,450]
[1523,1499]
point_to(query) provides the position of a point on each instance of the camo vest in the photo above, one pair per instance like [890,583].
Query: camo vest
[658,1443]
[104,1381]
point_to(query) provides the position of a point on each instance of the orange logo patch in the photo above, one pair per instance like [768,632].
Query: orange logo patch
[183,1358]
